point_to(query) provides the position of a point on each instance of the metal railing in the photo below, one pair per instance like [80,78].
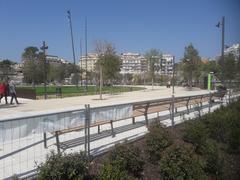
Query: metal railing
[25,142]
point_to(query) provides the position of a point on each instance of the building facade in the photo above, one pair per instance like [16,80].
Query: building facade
[88,62]
[55,60]
[166,64]
[234,49]
[133,63]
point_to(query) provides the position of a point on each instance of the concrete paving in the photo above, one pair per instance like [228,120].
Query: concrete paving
[36,107]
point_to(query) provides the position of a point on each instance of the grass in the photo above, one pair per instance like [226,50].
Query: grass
[68,91]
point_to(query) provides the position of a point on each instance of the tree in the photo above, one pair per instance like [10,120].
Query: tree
[191,64]
[6,67]
[34,66]
[153,57]
[30,53]
[108,64]
[228,68]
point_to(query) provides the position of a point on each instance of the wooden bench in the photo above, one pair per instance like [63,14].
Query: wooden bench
[145,108]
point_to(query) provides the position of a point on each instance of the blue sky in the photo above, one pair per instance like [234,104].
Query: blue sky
[131,25]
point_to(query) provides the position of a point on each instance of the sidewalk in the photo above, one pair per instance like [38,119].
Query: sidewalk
[35,107]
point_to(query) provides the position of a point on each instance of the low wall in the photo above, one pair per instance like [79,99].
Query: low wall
[26,93]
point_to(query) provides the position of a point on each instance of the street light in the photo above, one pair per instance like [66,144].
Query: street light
[43,48]
[222,24]
[73,51]
[86,56]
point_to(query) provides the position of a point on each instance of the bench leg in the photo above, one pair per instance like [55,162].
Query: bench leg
[45,140]
[98,129]
[133,120]
[57,142]
[113,134]
[175,110]
[146,119]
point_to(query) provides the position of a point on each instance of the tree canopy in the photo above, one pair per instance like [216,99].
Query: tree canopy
[153,57]
[191,64]
[108,60]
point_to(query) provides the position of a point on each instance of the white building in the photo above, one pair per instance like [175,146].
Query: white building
[89,62]
[166,66]
[55,60]
[234,49]
[133,63]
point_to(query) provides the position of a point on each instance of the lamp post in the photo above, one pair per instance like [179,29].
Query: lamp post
[222,24]
[43,48]
[73,51]
[86,56]
[81,69]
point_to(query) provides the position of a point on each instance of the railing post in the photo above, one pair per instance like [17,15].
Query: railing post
[146,114]
[86,129]
[229,96]
[210,102]
[57,141]
[187,105]
[133,120]
[45,139]
[111,122]
[89,122]
[173,111]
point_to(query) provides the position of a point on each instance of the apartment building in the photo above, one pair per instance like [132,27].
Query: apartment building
[89,62]
[133,63]
[166,64]
[55,60]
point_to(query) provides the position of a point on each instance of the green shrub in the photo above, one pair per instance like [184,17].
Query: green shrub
[233,140]
[213,163]
[157,140]
[110,172]
[178,162]
[216,124]
[127,158]
[196,133]
[64,166]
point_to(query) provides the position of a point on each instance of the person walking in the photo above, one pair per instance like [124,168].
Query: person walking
[3,92]
[12,92]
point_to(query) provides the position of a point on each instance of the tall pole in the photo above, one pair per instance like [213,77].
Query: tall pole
[70,23]
[73,51]
[86,55]
[43,48]
[81,60]
[223,29]
[222,24]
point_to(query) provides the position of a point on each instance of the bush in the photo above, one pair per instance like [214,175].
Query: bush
[110,172]
[196,133]
[64,166]
[178,162]
[233,140]
[213,163]
[127,158]
[157,140]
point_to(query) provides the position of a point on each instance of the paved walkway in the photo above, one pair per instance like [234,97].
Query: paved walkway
[35,107]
